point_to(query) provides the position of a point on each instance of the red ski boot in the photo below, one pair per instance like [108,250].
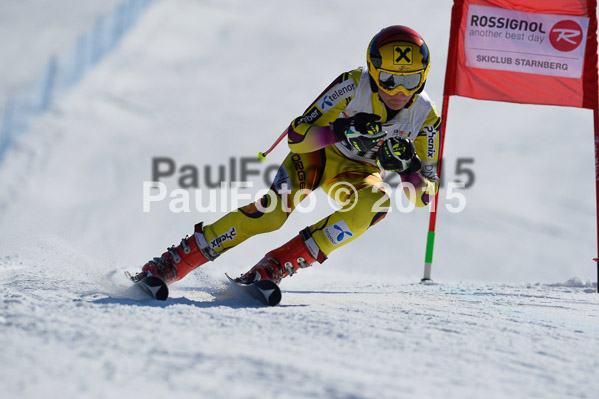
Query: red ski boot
[301,252]
[178,261]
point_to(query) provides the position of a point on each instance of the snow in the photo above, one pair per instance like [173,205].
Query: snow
[512,311]
[69,331]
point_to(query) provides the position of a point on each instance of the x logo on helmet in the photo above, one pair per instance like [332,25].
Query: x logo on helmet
[403,53]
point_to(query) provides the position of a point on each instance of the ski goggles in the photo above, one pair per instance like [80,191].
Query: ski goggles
[389,81]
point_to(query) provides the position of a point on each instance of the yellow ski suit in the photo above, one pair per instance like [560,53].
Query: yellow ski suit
[353,179]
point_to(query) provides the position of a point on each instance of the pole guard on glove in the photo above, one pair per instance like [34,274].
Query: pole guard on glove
[362,131]
[398,154]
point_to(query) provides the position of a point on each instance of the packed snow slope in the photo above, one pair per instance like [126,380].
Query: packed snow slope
[67,331]
[512,312]
[203,82]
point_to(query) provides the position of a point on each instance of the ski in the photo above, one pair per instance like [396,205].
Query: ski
[266,291]
[151,285]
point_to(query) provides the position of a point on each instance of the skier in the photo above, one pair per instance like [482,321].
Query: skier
[368,120]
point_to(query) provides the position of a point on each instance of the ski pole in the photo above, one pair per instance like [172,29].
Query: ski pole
[262,155]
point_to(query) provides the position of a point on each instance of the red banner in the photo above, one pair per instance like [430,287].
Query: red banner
[524,51]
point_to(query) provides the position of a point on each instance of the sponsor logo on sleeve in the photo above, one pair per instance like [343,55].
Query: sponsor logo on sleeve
[228,236]
[338,233]
[431,135]
[337,94]
[428,171]
[311,116]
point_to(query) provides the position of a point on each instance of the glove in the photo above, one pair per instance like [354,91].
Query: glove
[362,131]
[398,154]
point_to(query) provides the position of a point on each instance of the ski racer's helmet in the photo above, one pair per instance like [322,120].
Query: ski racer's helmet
[398,60]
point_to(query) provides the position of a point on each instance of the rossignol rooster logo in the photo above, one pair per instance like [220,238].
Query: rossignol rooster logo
[566,35]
